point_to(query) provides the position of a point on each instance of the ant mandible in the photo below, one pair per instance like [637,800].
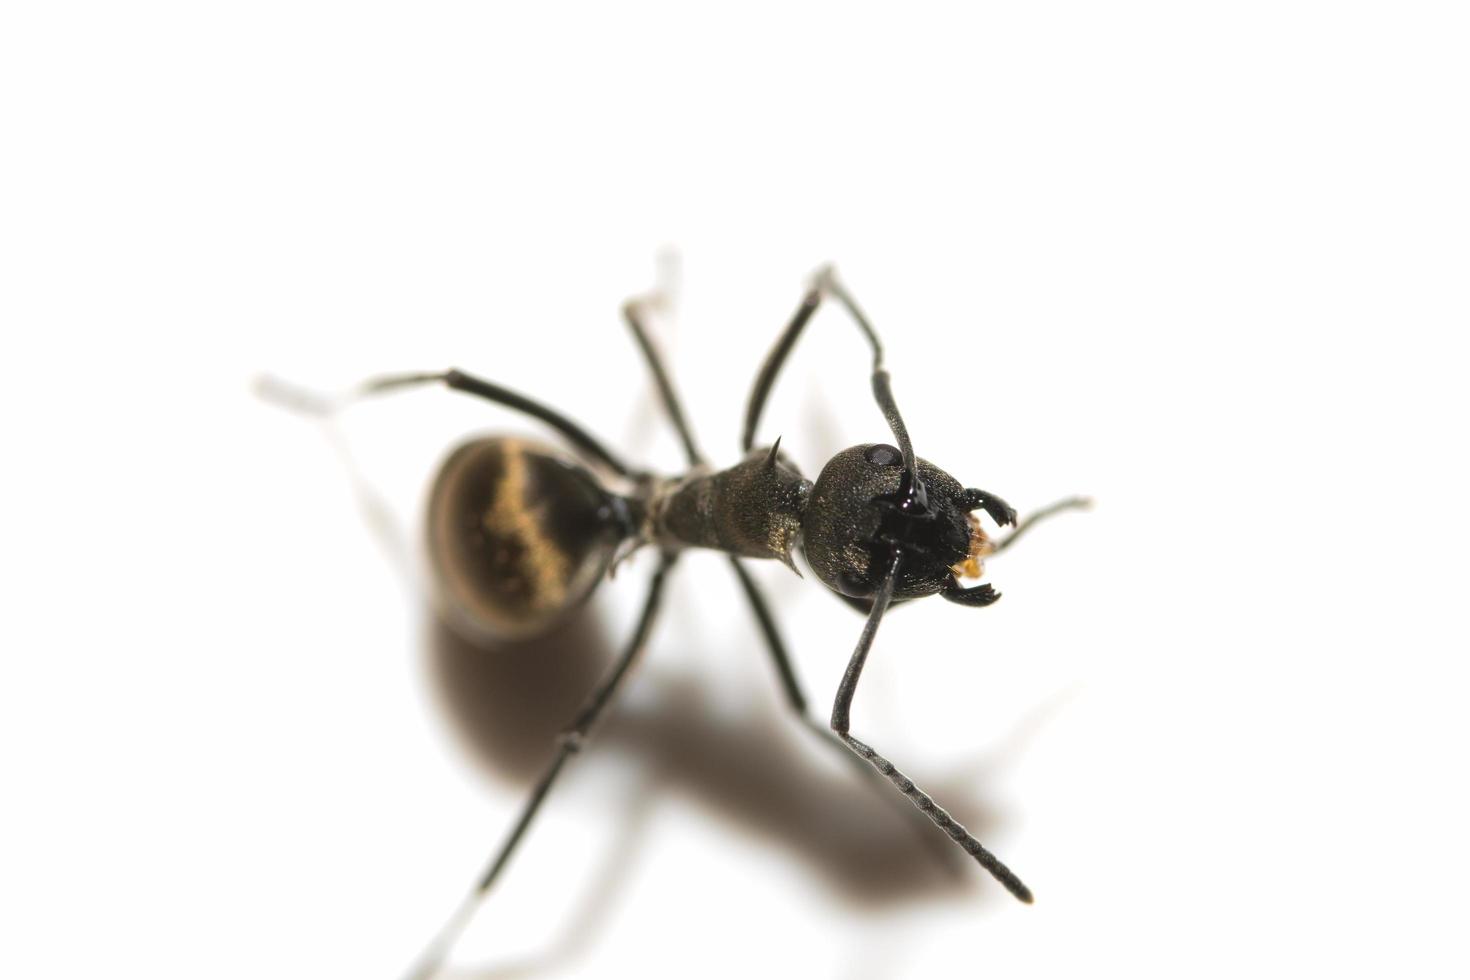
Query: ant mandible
[519,536]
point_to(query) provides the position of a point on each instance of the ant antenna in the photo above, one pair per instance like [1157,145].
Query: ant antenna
[841,720]
[882,391]
[825,283]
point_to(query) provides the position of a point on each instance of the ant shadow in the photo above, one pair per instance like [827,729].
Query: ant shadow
[761,770]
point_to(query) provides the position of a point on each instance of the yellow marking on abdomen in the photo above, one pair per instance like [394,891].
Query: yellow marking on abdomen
[510,517]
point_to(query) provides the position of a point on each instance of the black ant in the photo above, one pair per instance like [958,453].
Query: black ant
[520,535]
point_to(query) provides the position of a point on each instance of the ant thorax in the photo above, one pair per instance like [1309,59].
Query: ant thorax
[753,509]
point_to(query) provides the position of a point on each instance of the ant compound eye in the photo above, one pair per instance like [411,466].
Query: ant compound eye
[882,454]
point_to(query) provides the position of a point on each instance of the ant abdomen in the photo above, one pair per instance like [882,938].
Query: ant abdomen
[518,536]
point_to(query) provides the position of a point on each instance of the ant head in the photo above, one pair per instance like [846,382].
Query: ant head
[863,509]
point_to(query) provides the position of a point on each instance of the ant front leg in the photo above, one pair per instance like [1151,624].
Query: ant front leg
[841,723]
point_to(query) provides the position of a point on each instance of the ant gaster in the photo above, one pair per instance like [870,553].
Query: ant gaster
[520,535]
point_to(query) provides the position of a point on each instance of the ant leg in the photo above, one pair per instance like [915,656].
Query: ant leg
[634,312]
[773,364]
[294,398]
[795,697]
[841,718]
[1070,503]
[568,743]
[826,285]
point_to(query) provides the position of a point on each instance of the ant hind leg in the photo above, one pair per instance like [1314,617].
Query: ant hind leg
[569,743]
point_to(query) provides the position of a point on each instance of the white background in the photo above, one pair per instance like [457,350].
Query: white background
[1205,263]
